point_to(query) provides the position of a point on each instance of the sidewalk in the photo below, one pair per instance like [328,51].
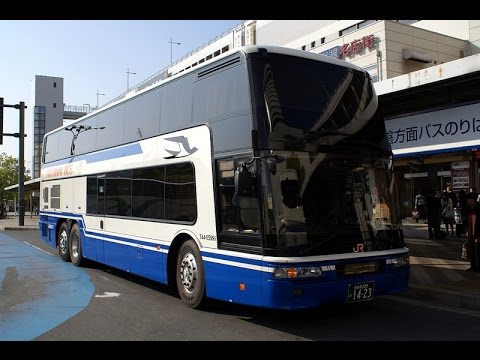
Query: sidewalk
[30,223]
[437,272]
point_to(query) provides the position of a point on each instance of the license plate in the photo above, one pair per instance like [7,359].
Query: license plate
[360,291]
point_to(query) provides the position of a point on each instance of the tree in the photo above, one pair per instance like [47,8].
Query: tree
[8,175]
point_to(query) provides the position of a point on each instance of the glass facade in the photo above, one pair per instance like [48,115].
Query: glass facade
[38,132]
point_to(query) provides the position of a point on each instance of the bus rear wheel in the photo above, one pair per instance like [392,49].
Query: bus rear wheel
[75,243]
[63,243]
[190,275]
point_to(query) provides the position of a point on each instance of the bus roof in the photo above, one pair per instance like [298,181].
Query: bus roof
[244,49]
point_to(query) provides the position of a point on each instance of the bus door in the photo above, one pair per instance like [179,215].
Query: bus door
[95,218]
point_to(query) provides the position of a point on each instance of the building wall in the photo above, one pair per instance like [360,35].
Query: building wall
[48,93]
[454,28]
[441,48]
[474,37]
[274,32]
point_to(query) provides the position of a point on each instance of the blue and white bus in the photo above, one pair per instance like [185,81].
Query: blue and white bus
[263,177]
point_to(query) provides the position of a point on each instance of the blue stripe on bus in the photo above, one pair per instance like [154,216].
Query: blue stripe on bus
[232,257]
[115,153]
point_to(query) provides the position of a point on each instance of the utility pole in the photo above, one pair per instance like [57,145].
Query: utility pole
[171,50]
[21,154]
[128,75]
[98,94]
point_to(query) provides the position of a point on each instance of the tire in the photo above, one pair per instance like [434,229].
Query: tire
[190,275]
[63,243]
[75,243]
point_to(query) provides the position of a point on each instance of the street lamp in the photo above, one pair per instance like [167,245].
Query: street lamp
[171,43]
[128,75]
[98,94]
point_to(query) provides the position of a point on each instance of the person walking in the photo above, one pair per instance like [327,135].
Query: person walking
[420,207]
[473,232]
[434,207]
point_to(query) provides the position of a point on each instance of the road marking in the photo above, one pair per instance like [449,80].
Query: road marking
[36,247]
[440,307]
[107,294]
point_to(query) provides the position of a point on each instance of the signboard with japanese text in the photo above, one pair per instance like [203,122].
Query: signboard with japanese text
[238,38]
[460,175]
[357,46]
[457,127]
[332,52]
[250,34]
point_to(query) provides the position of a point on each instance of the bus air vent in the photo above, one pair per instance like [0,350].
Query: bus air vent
[217,67]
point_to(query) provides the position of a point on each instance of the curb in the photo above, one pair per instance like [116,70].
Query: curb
[444,297]
[17,228]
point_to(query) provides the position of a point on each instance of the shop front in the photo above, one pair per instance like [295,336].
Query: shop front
[433,150]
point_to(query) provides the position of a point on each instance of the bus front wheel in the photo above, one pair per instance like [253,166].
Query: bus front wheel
[190,275]
[63,243]
[75,244]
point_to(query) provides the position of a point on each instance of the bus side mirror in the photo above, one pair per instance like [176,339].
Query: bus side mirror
[244,182]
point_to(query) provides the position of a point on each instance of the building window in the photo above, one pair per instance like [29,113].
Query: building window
[216,53]
[54,84]
[373,71]
[312,44]
[304,47]
[348,30]
[225,48]
[365,23]
[322,40]
[54,105]
[407,22]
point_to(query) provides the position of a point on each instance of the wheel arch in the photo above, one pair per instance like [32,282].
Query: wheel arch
[175,246]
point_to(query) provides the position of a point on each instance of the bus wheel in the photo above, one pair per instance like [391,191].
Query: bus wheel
[63,248]
[75,246]
[190,275]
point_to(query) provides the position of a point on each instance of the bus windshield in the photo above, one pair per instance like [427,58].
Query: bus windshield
[329,203]
[305,104]
[334,192]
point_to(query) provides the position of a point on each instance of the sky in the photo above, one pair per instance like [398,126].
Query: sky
[90,56]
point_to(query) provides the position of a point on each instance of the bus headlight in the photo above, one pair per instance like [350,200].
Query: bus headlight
[401,261]
[300,272]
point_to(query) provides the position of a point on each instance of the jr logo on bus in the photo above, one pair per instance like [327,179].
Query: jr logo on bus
[184,148]
[359,248]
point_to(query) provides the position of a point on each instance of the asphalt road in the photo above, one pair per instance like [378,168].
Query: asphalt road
[126,307]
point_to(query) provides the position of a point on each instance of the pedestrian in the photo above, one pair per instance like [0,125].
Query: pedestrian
[473,232]
[434,208]
[420,207]
[447,212]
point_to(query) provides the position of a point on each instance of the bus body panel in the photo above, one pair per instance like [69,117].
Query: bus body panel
[243,279]
[236,109]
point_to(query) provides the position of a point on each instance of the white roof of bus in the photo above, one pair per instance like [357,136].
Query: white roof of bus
[244,49]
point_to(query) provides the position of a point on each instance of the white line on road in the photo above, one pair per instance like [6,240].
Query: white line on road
[107,294]
[440,307]
[36,247]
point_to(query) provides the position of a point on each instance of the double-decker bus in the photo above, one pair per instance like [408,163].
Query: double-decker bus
[263,177]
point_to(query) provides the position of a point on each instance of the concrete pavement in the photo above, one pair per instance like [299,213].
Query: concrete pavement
[30,223]
[438,273]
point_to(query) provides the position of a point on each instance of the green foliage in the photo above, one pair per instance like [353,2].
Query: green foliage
[8,175]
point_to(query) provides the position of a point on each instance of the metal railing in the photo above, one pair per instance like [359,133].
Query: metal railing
[165,69]
[85,108]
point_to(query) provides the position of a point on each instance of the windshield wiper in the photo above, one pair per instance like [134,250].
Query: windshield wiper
[314,135]
[371,145]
